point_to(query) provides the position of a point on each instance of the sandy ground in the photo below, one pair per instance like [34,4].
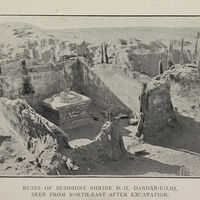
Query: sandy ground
[176,155]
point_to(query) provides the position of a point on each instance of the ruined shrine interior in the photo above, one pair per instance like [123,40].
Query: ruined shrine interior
[71,113]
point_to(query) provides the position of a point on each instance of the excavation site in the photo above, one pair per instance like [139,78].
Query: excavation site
[99,101]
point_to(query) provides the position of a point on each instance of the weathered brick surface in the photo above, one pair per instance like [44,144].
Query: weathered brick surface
[45,79]
[70,114]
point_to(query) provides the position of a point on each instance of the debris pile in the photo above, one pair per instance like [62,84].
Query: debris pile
[48,147]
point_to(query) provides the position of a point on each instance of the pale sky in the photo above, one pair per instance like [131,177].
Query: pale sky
[62,22]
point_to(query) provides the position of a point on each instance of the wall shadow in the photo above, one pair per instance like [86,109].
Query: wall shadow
[138,166]
[184,136]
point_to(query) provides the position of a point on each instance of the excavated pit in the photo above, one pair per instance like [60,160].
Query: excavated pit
[38,68]
[110,87]
[47,149]
[110,91]
[38,134]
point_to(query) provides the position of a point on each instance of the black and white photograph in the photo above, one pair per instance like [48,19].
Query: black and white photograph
[100,96]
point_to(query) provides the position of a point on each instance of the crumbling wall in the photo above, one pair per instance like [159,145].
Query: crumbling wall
[126,86]
[44,84]
[40,137]
[107,145]
[49,147]
[45,80]
[148,63]
[100,92]
[159,113]
[184,84]
[114,86]
[74,75]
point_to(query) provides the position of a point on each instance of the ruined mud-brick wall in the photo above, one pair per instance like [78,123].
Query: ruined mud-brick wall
[45,81]
[44,84]
[184,84]
[126,87]
[100,93]
[107,145]
[74,75]
[148,63]
[114,86]
[159,113]
[48,146]
[39,136]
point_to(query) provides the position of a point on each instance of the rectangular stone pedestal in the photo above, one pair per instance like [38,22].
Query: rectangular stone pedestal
[67,109]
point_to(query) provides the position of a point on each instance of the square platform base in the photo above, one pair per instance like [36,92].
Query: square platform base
[67,109]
